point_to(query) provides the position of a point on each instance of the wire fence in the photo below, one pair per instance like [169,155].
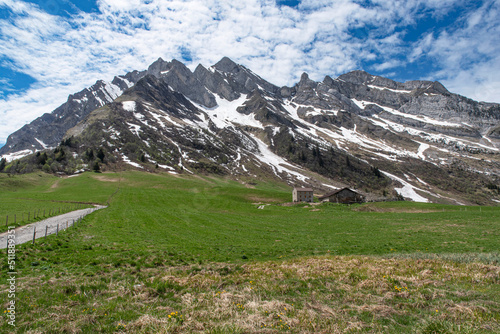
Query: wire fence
[17,235]
[25,235]
[54,229]
[33,215]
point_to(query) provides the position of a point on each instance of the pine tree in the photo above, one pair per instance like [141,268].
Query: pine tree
[96,168]
[100,154]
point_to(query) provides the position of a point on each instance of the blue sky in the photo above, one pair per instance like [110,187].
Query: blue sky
[50,49]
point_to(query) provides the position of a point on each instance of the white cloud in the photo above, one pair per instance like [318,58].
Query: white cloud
[66,55]
[387,65]
[468,56]
[16,111]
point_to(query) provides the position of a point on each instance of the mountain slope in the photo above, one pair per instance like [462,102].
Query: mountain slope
[364,131]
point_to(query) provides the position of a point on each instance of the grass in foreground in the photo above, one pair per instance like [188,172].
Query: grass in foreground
[327,294]
[201,248]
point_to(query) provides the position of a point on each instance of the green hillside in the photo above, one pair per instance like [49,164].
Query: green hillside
[167,243]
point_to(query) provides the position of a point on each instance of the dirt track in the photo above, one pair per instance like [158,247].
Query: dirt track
[25,233]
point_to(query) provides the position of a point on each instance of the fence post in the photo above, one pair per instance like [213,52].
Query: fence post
[57,231]
[46,228]
[34,233]
[7,221]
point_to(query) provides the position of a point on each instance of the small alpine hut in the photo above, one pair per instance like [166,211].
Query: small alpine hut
[302,194]
[344,196]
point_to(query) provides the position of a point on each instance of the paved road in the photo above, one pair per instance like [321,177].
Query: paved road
[25,233]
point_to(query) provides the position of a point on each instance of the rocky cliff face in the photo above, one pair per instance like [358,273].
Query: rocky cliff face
[358,130]
[48,130]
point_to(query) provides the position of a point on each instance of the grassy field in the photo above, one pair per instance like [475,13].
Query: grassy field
[195,254]
[25,199]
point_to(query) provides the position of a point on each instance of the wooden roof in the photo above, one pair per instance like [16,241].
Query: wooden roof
[303,189]
[336,192]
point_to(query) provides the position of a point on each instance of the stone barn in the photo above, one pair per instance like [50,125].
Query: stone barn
[344,196]
[302,195]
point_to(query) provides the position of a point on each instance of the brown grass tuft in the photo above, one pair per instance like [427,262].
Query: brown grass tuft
[326,294]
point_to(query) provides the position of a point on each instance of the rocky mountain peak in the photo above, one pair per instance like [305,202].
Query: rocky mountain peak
[356,77]
[181,79]
[146,83]
[227,65]
[227,119]
[215,82]
[438,88]
[328,80]
[158,66]
[305,81]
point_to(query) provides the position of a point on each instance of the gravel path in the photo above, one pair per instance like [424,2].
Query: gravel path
[25,233]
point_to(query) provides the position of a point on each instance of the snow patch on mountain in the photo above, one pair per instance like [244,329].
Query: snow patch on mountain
[165,117]
[41,143]
[224,114]
[129,105]
[275,161]
[82,100]
[420,118]
[134,128]
[430,137]
[183,155]
[421,150]
[16,155]
[128,161]
[392,90]
[171,169]
[111,91]
[408,190]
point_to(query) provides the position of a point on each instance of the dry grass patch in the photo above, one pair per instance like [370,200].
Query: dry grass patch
[261,199]
[104,178]
[330,294]
[374,207]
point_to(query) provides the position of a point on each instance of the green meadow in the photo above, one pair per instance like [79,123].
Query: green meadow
[181,253]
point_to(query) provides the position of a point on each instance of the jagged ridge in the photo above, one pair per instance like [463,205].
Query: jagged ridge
[358,129]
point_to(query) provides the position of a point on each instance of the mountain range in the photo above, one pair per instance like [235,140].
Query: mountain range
[386,139]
